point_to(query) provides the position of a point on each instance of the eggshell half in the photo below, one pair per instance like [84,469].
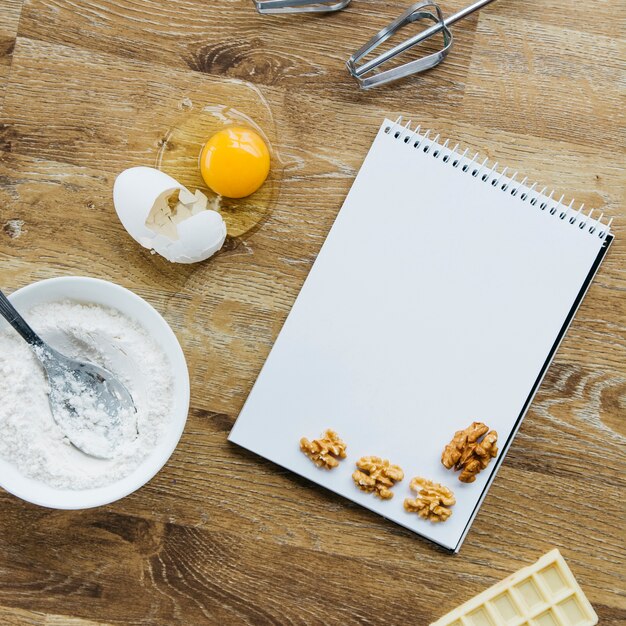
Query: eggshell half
[135,192]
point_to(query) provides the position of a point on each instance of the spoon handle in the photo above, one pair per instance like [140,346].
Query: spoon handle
[7,310]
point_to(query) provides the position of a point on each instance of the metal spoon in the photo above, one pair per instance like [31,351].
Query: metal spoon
[92,408]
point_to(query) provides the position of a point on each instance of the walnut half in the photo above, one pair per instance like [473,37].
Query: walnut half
[432,501]
[326,450]
[470,454]
[377,476]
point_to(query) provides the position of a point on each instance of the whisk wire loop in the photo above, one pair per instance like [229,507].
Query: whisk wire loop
[426,9]
[274,7]
[363,71]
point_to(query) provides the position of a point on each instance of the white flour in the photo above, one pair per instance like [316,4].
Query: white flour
[29,436]
[84,418]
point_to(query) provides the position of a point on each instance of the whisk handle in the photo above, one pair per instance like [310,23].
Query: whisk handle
[459,15]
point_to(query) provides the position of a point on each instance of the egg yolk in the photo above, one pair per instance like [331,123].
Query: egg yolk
[235,162]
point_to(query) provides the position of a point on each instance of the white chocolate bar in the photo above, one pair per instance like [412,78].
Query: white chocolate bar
[542,594]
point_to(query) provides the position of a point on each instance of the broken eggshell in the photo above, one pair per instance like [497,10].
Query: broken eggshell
[162,215]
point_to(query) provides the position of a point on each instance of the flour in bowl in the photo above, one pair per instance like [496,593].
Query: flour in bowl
[30,438]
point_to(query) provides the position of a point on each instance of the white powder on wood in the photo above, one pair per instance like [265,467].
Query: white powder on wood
[29,436]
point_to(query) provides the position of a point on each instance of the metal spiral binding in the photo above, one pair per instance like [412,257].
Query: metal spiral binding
[498,179]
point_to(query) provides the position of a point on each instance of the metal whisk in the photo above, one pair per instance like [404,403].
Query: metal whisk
[425,10]
[269,7]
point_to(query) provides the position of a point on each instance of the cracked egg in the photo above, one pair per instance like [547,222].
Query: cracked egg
[216,174]
[163,215]
[226,151]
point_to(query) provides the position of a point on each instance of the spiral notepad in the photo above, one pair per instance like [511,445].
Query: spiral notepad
[439,298]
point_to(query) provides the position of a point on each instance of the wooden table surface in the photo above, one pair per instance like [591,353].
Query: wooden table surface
[87,88]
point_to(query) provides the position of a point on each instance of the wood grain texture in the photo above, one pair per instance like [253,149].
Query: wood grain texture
[10,11]
[20,617]
[219,536]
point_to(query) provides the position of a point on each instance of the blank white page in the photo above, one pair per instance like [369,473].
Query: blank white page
[435,301]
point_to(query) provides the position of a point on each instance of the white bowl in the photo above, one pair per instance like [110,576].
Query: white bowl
[102,292]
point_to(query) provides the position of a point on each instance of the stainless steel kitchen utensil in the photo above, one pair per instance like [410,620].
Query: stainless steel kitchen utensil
[94,385]
[425,10]
[269,7]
